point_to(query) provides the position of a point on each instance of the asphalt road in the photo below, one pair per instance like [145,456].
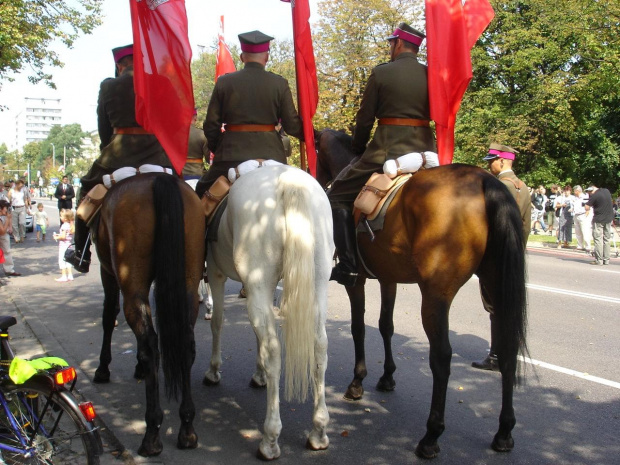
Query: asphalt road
[568,410]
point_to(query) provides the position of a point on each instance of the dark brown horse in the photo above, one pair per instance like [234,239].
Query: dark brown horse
[151,229]
[445,225]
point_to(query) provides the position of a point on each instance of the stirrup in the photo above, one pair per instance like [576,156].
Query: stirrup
[346,278]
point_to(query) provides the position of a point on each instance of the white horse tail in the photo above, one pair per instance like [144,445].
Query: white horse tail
[299,305]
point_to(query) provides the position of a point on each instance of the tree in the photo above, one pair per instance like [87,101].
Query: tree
[66,141]
[349,42]
[546,81]
[30,26]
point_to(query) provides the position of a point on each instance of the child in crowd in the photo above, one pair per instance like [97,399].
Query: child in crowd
[6,225]
[41,221]
[64,238]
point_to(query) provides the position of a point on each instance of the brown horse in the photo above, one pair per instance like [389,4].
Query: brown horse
[445,225]
[151,229]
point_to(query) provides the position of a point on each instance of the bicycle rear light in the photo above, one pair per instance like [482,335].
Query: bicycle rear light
[88,410]
[66,375]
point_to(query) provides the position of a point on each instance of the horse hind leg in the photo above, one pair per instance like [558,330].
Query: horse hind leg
[260,312]
[187,438]
[318,440]
[138,315]
[111,309]
[216,281]
[355,390]
[386,328]
[435,320]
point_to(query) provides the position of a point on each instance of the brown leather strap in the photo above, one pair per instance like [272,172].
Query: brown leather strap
[250,127]
[131,131]
[403,122]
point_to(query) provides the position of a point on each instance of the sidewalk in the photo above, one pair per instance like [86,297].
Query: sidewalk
[30,338]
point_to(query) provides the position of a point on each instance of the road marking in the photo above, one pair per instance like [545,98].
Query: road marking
[573,293]
[570,372]
[585,295]
[605,270]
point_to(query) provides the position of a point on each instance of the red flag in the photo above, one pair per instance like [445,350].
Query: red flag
[162,74]
[307,85]
[224,63]
[452,29]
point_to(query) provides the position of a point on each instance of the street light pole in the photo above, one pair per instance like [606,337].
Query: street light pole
[53,155]
[64,159]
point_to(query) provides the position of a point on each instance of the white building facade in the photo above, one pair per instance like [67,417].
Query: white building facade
[34,122]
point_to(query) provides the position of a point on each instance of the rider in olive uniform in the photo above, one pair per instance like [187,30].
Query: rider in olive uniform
[500,159]
[249,103]
[397,95]
[123,143]
[197,151]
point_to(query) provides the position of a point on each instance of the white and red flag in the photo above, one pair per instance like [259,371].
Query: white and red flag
[307,85]
[162,74]
[452,29]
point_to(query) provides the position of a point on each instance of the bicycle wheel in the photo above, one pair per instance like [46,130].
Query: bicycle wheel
[61,438]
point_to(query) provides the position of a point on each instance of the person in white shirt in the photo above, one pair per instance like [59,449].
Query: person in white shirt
[20,201]
[583,220]
[565,204]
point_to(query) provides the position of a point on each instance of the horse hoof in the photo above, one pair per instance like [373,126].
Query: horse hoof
[427,452]
[152,451]
[386,385]
[187,442]
[272,453]
[321,444]
[209,382]
[101,377]
[503,445]
[354,393]
[256,385]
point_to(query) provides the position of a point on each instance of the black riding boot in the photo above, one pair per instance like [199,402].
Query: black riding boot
[345,272]
[78,255]
[490,362]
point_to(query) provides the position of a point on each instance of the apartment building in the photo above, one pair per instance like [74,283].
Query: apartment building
[35,120]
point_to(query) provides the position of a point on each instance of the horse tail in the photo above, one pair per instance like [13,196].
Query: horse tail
[506,251]
[171,299]
[299,303]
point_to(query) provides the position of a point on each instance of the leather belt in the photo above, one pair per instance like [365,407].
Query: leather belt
[132,131]
[21,206]
[250,127]
[194,160]
[403,122]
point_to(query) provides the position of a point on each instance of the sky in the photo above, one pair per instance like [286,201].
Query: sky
[90,60]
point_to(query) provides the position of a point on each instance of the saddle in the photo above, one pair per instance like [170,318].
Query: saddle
[91,204]
[212,199]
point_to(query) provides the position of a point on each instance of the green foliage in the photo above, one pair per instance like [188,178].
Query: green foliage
[349,41]
[546,80]
[30,26]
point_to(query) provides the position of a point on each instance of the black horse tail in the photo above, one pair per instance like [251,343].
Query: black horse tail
[171,300]
[506,254]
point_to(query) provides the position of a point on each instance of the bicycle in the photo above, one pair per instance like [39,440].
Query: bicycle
[41,421]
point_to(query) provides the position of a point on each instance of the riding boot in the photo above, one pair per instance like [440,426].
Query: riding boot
[78,254]
[490,362]
[345,272]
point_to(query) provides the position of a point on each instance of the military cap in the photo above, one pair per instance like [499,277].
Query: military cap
[408,34]
[254,42]
[121,52]
[500,151]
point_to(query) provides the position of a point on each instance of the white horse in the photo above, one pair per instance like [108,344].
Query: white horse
[278,225]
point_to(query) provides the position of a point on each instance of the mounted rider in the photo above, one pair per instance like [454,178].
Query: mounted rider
[397,95]
[248,104]
[123,143]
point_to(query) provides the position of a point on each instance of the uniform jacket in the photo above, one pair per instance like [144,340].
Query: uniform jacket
[69,193]
[250,96]
[398,89]
[116,109]
[522,196]
[197,149]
